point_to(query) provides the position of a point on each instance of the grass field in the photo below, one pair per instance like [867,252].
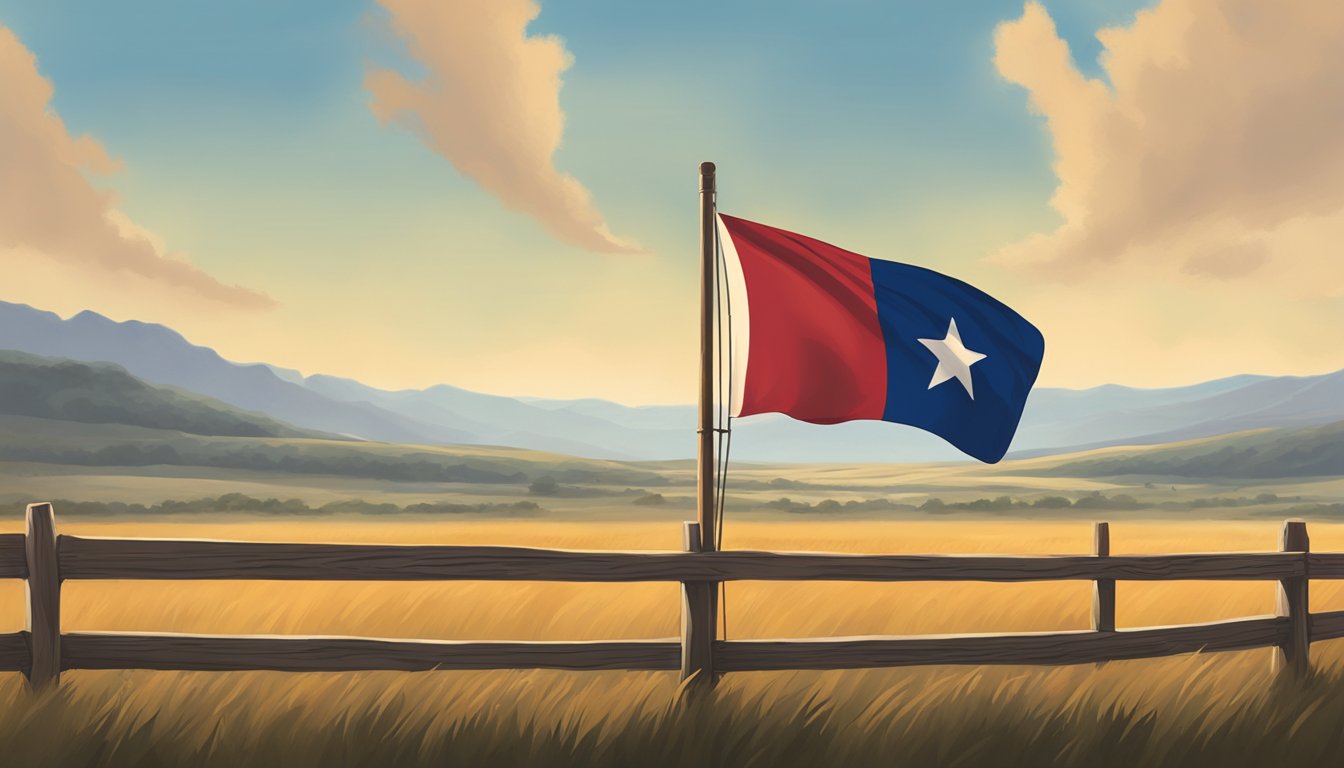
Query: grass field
[1224,709]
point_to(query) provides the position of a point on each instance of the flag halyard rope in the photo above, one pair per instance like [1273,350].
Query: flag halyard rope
[724,399]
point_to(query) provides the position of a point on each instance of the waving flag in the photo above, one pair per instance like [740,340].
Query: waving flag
[825,335]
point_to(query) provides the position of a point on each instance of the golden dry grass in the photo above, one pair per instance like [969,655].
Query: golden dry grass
[1221,709]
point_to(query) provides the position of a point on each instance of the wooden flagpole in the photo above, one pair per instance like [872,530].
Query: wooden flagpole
[705,468]
[699,611]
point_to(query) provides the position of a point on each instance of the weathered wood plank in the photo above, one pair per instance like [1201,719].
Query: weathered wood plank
[1034,648]
[1327,626]
[44,597]
[14,656]
[1326,565]
[13,560]
[94,650]
[1295,649]
[91,558]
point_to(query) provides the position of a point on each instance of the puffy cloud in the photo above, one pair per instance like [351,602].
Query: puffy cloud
[1212,149]
[50,210]
[489,102]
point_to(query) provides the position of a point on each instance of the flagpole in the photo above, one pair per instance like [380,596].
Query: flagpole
[699,606]
[706,468]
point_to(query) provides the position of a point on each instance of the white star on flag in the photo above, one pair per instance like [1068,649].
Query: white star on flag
[954,359]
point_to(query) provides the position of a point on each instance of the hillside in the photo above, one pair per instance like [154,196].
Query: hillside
[46,441]
[161,356]
[1271,453]
[1114,415]
[64,390]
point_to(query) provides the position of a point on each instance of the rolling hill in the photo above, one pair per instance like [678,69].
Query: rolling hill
[109,448]
[1266,453]
[161,356]
[101,393]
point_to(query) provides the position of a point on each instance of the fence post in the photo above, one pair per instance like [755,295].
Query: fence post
[44,598]
[1294,653]
[1103,590]
[697,621]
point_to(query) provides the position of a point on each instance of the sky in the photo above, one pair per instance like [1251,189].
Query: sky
[502,195]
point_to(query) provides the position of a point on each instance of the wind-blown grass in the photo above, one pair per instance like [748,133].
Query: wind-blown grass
[1216,709]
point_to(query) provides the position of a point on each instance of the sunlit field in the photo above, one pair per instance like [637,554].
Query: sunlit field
[1224,709]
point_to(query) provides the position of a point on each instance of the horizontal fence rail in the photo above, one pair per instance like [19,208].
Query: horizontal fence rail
[14,655]
[45,560]
[183,559]
[220,653]
[1327,626]
[169,651]
[1076,647]
[1325,565]
[13,561]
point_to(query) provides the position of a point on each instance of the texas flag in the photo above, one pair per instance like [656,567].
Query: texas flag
[825,335]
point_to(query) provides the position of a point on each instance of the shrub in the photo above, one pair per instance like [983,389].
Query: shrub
[544,486]
[1052,502]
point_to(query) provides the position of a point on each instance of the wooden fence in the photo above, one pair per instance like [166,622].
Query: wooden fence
[45,559]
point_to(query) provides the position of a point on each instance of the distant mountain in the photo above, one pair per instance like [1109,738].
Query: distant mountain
[102,393]
[159,355]
[1118,415]
[1268,453]
[1055,421]
[617,431]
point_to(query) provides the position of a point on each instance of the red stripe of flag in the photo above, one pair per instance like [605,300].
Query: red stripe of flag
[816,348]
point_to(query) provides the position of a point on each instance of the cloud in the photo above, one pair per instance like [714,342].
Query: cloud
[489,102]
[1230,262]
[1214,142]
[50,210]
